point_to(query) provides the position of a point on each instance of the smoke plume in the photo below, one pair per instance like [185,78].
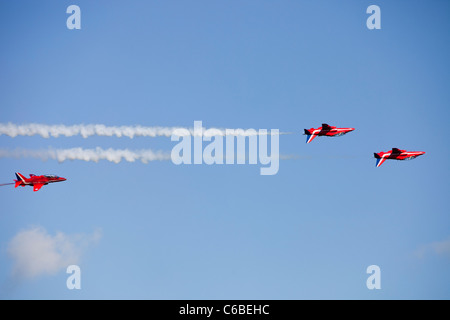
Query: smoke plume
[95,155]
[47,131]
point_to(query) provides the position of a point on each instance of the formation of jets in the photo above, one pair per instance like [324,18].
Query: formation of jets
[37,182]
[331,131]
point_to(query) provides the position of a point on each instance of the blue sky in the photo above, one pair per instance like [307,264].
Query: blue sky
[226,232]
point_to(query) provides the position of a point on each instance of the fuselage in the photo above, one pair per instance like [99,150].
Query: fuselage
[332,131]
[326,130]
[36,181]
[396,154]
[403,155]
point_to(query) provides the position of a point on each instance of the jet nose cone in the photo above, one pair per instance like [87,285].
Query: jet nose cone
[421,153]
[63,179]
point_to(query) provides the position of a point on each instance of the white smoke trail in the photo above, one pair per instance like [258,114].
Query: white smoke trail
[47,131]
[97,154]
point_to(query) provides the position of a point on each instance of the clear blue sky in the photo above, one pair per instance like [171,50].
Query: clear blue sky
[226,232]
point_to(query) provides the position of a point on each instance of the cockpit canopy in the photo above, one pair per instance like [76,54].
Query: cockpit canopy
[51,176]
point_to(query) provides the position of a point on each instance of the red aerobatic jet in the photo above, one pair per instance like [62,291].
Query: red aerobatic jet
[396,154]
[36,181]
[325,130]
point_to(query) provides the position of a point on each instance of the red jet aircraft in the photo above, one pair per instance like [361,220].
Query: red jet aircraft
[325,130]
[396,154]
[36,181]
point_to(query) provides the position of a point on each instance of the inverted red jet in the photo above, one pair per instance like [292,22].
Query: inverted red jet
[326,130]
[396,154]
[36,181]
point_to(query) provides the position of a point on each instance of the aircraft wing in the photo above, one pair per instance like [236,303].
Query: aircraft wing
[37,186]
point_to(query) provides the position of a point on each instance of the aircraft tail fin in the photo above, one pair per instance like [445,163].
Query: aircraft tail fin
[380,161]
[20,180]
[19,176]
[310,137]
